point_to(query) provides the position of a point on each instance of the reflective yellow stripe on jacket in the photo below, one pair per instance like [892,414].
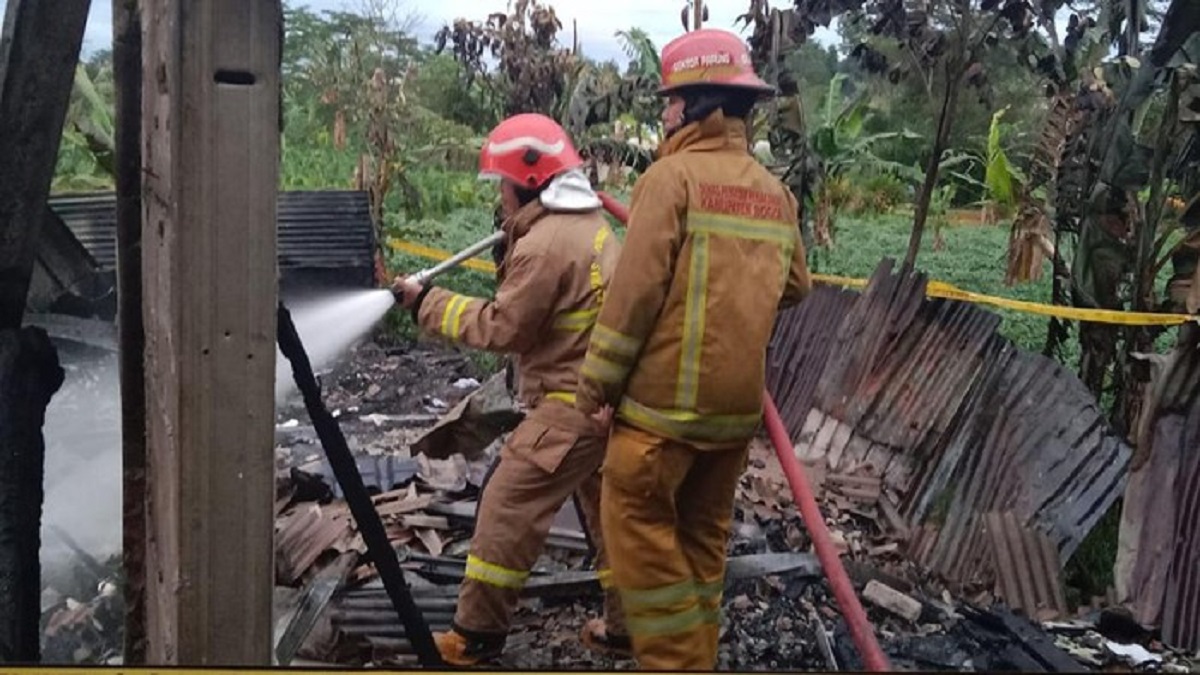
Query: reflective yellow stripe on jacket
[683,421]
[703,227]
[451,324]
[582,320]
[689,425]
[610,356]
[604,576]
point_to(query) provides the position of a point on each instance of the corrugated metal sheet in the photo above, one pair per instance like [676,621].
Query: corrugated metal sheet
[1158,561]
[66,278]
[382,473]
[1027,568]
[325,229]
[317,230]
[1032,441]
[799,348]
[1181,608]
[93,220]
[956,420]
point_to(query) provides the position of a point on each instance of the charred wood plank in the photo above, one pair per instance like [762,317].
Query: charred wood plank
[359,500]
[29,376]
[131,333]
[1037,644]
[315,599]
[39,50]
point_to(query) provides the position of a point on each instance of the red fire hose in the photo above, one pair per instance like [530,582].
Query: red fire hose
[856,617]
[860,627]
[616,208]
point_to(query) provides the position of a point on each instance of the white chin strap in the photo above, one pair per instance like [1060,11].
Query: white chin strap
[570,191]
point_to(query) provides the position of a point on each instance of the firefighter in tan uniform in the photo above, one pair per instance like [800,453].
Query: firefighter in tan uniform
[559,255]
[678,354]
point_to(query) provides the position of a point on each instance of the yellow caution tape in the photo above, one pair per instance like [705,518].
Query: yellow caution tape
[933,289]
[440,255]
[941,289]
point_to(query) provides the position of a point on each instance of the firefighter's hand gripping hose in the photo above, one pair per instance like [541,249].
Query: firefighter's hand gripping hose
[860,627]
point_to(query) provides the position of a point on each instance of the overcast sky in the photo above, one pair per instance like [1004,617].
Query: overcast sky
[598,20]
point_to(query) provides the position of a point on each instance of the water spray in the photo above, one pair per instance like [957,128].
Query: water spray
[330,325]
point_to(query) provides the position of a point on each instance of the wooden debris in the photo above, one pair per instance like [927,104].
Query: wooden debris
[402,501]
[307,531]
[893,601]
[859,488]
[432,542]
[421,521]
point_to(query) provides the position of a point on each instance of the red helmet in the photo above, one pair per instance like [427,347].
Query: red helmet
[710,57]
[528,149]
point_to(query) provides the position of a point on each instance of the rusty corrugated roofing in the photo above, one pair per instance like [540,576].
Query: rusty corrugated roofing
[1158,561]
[956,420]
[1027,567]
[1181,607]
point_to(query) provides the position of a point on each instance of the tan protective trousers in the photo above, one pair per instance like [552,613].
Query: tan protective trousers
[540,467]
[666,508]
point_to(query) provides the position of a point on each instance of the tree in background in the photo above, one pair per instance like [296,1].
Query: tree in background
[940,45]
[1130,147]
[85,156]
[532,73]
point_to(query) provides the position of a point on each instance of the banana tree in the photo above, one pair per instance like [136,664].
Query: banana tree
[604,103]
[1125,155]
[86,154]
[842,149]
[1010,193]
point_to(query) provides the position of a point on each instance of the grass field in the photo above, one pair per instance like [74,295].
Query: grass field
[973,259]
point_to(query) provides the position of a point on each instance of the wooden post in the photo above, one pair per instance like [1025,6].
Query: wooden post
[698,19]
[127,76]
[211,113]
[39,49]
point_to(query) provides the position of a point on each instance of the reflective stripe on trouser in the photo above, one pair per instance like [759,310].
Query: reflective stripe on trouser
[516,512]
[588,496]
[666,509]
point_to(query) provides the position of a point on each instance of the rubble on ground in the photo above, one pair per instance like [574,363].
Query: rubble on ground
[778,610]
[773,618]
[82,612]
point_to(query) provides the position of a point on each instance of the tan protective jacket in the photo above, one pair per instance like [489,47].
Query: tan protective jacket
[713,250]
[552,282]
